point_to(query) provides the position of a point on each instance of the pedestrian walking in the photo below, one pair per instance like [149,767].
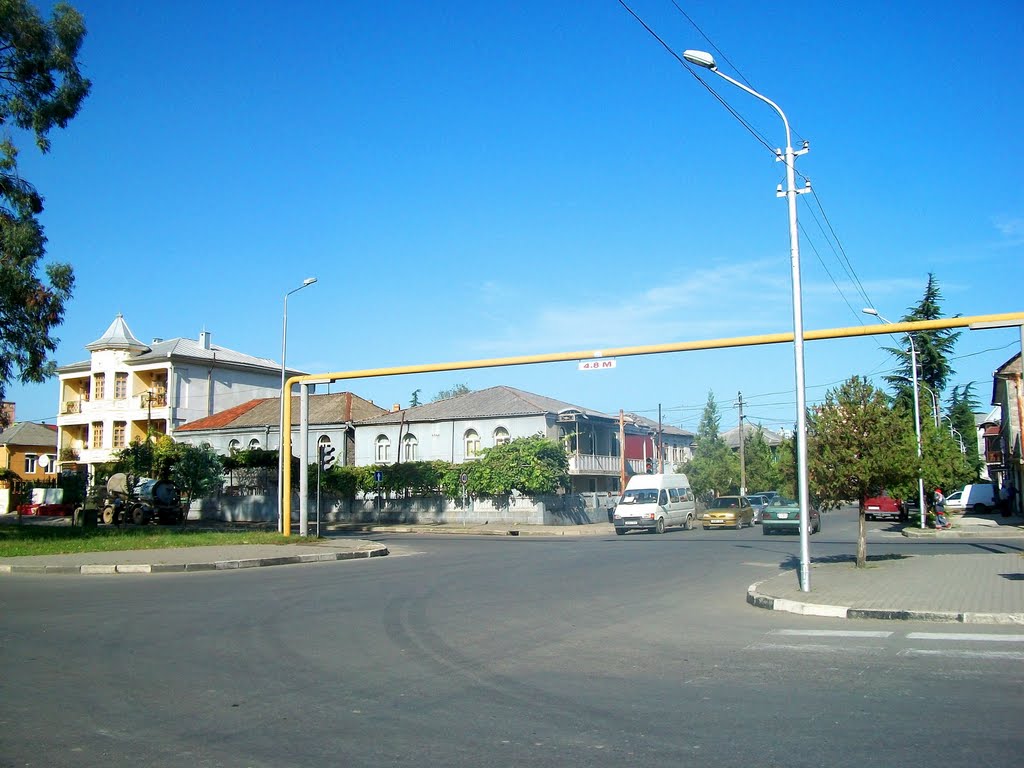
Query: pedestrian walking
[939,505]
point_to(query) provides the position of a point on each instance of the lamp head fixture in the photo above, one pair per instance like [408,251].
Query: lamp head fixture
[701,59]
[870,311]
[308,281]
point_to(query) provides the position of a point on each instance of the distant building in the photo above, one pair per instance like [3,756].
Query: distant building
[256,424]
[30,451]
[459,428]
[127,390]
[732,436]
[1008,396]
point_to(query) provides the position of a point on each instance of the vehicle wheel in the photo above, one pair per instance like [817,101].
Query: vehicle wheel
[688,525]
[659,527]
[138,515]
[107,515]
[869,517]
[620,531]
[765,531]
[707,527]
[981,509]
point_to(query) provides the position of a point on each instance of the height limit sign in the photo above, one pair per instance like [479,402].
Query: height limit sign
[596,365]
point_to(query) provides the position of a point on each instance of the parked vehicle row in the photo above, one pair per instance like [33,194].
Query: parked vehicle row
[659,501]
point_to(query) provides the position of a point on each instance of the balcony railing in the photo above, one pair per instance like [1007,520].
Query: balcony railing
[589,464]
[153,400]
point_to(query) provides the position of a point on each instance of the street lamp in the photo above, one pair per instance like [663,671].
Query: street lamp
[280,424]
[917,408]
[707,61]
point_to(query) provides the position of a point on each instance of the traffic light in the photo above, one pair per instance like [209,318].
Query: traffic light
[650,465]
[326,456]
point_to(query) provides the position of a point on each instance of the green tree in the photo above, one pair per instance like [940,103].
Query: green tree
[714,468]
[446,394]
[963,404]
[858,447]
[415,398]
[41,88]
[196,470]
[531,465]
[934,349]
[761,464]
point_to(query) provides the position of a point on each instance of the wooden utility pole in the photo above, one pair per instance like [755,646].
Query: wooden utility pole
[622,451]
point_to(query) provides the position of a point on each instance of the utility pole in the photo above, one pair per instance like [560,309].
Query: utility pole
[661,445]
[743,463]
[622,451]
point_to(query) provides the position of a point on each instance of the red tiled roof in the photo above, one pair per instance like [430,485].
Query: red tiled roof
[222,419]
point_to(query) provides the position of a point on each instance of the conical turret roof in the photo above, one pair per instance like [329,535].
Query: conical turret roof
[117,336]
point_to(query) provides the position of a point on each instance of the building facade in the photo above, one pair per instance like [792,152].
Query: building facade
[128,390]
[456,430]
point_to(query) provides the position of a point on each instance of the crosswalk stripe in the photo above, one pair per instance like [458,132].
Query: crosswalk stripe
[964,636]
[828,633]
[962,654]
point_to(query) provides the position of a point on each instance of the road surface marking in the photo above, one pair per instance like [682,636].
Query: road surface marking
[828,633]
[964,636]
[947,653]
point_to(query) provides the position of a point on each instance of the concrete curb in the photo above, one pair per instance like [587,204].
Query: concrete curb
[378,550]
[454,530]
[770,603]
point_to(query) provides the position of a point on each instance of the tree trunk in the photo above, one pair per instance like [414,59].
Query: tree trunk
[862,543]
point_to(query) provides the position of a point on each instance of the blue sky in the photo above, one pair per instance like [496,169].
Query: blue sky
[473,180]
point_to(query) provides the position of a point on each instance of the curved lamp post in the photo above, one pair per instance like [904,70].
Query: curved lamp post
[917,407]
[280,424]
[707,61]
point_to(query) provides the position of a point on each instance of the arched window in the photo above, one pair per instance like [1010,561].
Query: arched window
[234,446]
[409,447]
[472,442]
[501,436]
[254,444]
[383,447]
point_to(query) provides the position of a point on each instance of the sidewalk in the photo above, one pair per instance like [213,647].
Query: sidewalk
[178,560]
[983,588]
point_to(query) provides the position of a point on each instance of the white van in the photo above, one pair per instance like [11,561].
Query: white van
[979,497]
[654,503]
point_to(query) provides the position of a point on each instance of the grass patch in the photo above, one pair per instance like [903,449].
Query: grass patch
[21,540]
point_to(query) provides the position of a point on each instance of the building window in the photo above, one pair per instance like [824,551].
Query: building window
[383,447]
[98,385]
[120,386]
[97,434]
[30,463]
[120,430]
[410,447]
[501,436]
[254,444]
[234,446]
[472,442]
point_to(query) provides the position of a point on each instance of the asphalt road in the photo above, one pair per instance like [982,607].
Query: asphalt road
[497,651]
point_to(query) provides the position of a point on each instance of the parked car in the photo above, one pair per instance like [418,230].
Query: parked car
[769,495]
[758,501]
[728,512]
[782,515]
[884,506]
[977,497]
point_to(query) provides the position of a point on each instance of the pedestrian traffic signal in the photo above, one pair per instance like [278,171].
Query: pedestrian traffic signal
[326,456]
[650,466]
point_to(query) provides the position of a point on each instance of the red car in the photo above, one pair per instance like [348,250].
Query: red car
[885,505]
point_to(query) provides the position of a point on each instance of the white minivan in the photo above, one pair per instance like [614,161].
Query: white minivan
[978,497]
[654,503]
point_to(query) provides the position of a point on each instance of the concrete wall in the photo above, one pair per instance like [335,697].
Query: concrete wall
[570,509]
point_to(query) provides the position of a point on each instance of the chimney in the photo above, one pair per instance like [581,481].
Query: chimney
[396,407]
[204,339]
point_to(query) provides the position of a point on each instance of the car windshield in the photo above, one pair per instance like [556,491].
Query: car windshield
[725,502]
[781,502]
[645,496]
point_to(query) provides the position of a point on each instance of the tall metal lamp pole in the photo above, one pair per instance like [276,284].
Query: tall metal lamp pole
[707,61]
[280,424]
